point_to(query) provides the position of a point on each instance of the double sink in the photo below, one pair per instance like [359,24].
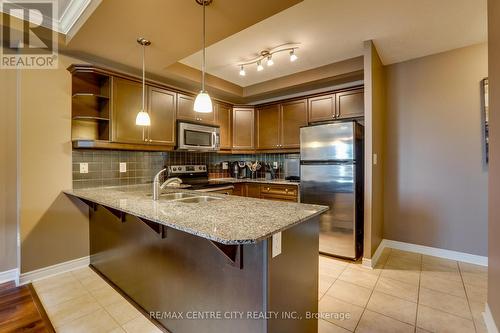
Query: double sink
[186,197]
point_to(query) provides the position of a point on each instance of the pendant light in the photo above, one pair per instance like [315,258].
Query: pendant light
[142,118]
[203,103]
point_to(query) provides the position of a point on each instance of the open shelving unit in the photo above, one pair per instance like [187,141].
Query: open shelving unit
[91,106]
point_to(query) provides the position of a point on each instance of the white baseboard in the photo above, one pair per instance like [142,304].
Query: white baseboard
[489,321]
[427,250]
[371,263]
[10,275]
[54,270]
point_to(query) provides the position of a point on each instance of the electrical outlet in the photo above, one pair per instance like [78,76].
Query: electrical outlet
[275,165]
[123,167]
[225,165]
[276,244]
[84,168]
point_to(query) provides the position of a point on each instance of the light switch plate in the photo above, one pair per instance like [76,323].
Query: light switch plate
[84,168]
[225,165]
[276,244]
[375,159]
[123,167]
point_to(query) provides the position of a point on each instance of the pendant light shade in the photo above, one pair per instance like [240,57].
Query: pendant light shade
[203,103]
[142,118]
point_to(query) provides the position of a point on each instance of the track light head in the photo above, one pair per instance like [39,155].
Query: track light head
[259,66]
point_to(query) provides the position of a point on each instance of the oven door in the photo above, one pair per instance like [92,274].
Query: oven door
[197,137]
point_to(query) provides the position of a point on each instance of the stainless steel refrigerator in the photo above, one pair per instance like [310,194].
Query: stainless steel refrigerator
[331,174]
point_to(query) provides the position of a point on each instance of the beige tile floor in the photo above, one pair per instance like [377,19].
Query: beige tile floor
[81,301]
[407,292]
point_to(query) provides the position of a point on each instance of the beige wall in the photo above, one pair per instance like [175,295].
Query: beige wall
[435,176]
[8,193]
[375,113]
[53,227]
[494,167]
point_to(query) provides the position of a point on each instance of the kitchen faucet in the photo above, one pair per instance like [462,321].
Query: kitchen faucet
[156,183]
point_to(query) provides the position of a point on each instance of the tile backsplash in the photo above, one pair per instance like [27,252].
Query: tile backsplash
[104,165]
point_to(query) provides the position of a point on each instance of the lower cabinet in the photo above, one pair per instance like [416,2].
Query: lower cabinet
[276,192]
[279,192]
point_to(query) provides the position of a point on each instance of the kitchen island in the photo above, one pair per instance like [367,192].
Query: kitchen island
[208,263]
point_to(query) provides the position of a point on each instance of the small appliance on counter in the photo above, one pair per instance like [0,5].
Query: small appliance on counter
[291,169]
[241,169]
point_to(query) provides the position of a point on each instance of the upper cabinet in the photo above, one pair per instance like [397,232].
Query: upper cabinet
[293,117]
[224,121]
[105,104]
[127,101]
[268,127]
[322,108]
[185,111]
[351,104]
[341,105]
[278,125]
[243,128]
[91,92]
[162,108]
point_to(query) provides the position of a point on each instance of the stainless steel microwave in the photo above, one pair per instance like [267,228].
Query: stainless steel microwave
[197,137]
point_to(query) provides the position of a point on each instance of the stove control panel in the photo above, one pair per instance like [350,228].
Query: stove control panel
[186,169]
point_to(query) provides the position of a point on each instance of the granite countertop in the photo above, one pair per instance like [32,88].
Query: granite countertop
[255,180]
[230,220]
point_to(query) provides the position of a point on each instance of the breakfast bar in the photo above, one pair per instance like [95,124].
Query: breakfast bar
[201,262]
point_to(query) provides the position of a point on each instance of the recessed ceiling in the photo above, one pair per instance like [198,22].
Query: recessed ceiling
[334,30]
[173,26]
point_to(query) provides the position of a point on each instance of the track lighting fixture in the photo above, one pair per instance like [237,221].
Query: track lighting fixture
[267,56]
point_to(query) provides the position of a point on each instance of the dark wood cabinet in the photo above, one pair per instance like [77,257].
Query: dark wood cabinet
[185,111]
[252,190]
[268,127]
[341,105]
[239,189]
[278,125]
[243,128]
[127,102]
[279,192]
[224,115]
[162,107]
[351,104]
[293,117]
[322,108]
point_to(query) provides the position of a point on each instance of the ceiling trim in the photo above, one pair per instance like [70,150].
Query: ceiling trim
[71,14]
[69,17]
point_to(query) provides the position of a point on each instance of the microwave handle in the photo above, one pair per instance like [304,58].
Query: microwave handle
[216,140]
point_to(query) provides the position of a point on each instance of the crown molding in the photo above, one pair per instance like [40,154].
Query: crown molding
[72,13]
